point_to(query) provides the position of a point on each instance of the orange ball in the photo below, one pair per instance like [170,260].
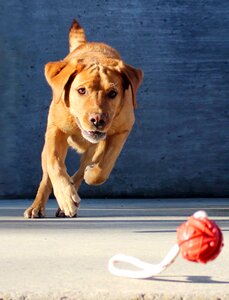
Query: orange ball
[199,239]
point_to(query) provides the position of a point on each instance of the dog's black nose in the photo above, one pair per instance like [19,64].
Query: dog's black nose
[98,120]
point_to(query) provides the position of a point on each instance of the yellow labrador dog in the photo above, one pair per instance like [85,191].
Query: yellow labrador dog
[94,96]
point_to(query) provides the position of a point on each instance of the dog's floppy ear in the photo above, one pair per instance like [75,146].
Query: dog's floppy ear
[131,76]
[57,75]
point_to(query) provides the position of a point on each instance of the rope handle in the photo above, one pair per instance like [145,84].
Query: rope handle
[146,270]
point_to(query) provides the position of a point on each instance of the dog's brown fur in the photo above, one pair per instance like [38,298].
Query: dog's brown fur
[94,96]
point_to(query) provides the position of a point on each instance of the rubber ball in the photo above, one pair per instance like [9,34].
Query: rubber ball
[199,239]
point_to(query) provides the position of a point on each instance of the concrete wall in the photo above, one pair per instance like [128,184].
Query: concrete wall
[179,146]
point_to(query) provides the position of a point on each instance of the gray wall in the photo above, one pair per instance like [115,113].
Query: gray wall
[179,145]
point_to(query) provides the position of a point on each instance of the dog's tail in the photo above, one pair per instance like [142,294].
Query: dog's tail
[76,36]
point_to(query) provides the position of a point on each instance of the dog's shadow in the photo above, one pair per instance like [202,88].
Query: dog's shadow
[189,279]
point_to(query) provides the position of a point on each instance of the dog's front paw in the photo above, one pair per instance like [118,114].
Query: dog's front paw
[34,212]
[93,175]
[60,214]
[67,199]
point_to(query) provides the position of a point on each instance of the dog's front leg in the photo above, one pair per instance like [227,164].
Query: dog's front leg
[105,158]
[37,209]
[63,187]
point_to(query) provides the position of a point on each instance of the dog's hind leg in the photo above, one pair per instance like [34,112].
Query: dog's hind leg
[37,209]
[86,159]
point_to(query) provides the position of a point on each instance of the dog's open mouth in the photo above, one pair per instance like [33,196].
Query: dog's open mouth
[94,136]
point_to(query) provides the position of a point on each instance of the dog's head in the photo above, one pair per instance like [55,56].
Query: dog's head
[93,91]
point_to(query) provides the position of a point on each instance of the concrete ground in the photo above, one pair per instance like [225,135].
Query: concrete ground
[67,258]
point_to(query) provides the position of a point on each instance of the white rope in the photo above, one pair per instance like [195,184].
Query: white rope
[147,270]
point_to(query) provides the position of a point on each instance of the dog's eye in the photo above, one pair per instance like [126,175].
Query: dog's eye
[81,91]
[112,94]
